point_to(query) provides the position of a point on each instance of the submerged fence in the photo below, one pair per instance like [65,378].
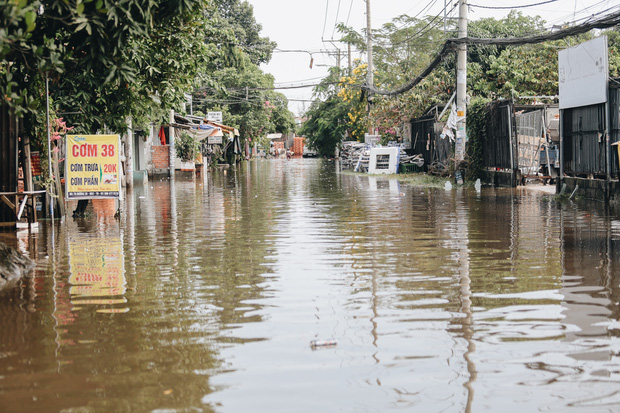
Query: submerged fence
[584,141]
[426,140]
[585,130]
[500,147]
[614,133]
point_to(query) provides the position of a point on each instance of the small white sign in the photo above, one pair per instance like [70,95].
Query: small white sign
[214,140]
[459,148]
[214,116]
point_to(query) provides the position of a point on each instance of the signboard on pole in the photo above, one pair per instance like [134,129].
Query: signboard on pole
[93,167]
[214,117]
[214,140]
[459,148]
[583,74]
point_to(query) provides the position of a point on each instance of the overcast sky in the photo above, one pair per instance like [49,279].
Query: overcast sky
[309,25]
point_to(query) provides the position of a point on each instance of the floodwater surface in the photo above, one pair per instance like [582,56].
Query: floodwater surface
[206,296]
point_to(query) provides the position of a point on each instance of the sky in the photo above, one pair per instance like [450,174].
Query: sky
[309,26]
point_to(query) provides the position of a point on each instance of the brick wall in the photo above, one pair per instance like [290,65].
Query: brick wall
[161,156]
[298,145]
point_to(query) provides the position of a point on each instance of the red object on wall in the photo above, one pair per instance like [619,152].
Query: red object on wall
[162,135]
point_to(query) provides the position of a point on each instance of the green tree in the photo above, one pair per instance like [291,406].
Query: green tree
[234,83]
[106,60]
[326,125]
[238,17]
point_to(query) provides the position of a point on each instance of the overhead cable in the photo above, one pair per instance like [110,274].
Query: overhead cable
[451,44]
[427,25]
[512,7]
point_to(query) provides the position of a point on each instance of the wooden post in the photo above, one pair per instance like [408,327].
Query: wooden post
[27,165]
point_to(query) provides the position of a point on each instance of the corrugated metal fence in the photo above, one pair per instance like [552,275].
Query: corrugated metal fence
[614,117]
[500,147]
[426,140]
[583,131]
[422,137]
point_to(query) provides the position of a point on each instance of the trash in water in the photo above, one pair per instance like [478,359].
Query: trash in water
[323,343]
[448,186]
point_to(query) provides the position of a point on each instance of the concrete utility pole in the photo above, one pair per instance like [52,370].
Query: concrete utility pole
[369,43]
[370,79]
[349,55]
[172,152]
[445,6]
[129,155]
[461,87]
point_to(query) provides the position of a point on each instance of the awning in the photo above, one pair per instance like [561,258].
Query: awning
[225,128]
[198,134]
[216,132]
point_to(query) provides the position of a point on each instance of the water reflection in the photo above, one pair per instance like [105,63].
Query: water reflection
[205,296]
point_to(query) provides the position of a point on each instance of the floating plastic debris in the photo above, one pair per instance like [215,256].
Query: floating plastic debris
[323,343]
[448,186]
[477,185]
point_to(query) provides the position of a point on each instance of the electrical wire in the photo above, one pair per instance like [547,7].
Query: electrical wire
[450,45]
[427,7]
[427,25]
[349,15]
[511,7]
[325,21]
[336,21]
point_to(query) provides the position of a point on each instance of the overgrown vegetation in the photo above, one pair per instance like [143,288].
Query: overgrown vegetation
[476,133]
[186,147]
[405,46]
[109,61]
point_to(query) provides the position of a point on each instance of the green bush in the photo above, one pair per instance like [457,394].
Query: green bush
[476,130]
[186,147]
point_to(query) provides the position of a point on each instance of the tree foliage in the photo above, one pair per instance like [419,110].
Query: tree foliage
[238,17]
[234,82]
[340,112]
[404,47]
[326,125]
[106,60]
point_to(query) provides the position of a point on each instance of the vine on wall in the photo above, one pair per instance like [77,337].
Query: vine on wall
[476,129]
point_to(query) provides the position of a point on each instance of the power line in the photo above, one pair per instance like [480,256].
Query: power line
[427,7]
[325,21]
[274,87]
[427,25]
[450,45]
[512,7]
[336,21]
[349,15]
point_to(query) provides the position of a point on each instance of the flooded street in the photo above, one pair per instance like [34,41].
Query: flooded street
[205,296]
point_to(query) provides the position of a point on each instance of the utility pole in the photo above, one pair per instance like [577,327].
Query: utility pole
[461,91]
[369,43]
[349,55]
[370,79]
[445,6]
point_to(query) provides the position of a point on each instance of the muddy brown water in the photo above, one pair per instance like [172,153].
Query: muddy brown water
[206,296]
